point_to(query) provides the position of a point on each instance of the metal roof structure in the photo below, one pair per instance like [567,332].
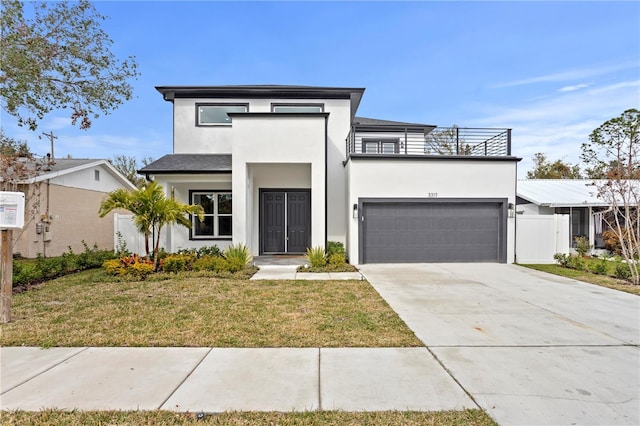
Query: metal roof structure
[562,192]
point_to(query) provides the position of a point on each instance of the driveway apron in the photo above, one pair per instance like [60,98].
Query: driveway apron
[529,347]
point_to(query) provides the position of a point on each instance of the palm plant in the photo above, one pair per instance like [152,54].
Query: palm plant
[151,210]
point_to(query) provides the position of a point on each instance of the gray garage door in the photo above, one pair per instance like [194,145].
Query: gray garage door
[436,231]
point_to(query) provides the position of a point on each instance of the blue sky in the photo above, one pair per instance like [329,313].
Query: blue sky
[551,71]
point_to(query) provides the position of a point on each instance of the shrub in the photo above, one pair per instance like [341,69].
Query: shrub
[178,262]
[582,245]
[337,259]
[208,251]
[561,259]
[114,267]
[599,268]
[576,262]
[220,264]
[141,269]
[205,263]
[335,247]
[622,271]
[135,266]
[238,255]
[316,256]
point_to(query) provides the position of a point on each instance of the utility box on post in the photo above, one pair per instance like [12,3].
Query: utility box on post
[11,210]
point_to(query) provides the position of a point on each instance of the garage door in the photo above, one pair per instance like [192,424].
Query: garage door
[433,231]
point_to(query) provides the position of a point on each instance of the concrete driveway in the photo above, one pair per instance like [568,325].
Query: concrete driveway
[528,347]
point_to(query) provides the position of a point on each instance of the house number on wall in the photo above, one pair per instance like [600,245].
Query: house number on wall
[433,195]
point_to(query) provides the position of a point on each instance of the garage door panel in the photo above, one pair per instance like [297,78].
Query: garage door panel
[432,232]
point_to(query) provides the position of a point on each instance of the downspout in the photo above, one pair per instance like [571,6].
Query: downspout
[326,179]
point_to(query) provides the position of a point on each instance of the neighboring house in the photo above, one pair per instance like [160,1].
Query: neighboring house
[62,207]
[284,168]
[576,198]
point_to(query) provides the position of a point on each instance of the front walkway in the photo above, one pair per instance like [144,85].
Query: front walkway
[289,272]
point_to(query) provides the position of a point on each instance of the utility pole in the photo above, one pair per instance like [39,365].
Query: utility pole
[51,138]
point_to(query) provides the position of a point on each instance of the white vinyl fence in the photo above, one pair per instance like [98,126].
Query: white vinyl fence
[539,237]
[123,223]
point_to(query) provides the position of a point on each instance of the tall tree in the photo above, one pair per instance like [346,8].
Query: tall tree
[545,169]
[614,151]
[56,56]
[17,166]
[151,210]
[128,166]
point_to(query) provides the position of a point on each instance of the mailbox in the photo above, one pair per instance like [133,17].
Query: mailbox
[11,210]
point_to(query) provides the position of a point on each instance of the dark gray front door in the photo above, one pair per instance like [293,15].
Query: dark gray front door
[285,221]
[433,232]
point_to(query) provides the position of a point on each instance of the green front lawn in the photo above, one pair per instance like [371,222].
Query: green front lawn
[601,280]
[198,310]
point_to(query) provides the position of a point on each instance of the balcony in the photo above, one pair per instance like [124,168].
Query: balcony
[428,141]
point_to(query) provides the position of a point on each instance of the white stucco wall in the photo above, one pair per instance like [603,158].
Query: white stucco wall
[429,178]
[278,140]
[275,139]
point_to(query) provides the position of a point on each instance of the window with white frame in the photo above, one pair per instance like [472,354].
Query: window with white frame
[380,146]
[217,114]
[217,221]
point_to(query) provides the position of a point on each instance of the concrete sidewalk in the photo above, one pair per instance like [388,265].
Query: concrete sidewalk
[218,379]
[289,272]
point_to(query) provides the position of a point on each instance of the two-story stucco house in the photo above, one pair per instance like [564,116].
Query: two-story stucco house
[283,168]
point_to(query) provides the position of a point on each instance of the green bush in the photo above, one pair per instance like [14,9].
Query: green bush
[178,262]
[335,247]
[576,262]
[337,259]
[582,245]
[600,268]
[205,263]
[238,255]
[208,251]
[316,256]
[561,259]
[622,271]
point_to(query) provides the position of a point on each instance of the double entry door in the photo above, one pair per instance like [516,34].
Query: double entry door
[285,221]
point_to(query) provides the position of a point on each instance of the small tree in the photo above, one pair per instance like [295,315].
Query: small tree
[57,56]
[128,166]
[545,169]
[614,149]
[151,210]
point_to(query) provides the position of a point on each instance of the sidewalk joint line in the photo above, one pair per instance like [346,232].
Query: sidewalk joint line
[44,371]
[454,378]
[319,382]
[185,379]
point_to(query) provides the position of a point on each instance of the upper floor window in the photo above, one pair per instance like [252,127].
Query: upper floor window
[217,114]
[297,108]
[380,146]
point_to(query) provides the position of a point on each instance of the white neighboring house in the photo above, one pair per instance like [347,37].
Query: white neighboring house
[284,168]
[62,207]
[576,198]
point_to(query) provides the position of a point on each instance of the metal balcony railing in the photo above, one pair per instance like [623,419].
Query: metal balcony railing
[446,141]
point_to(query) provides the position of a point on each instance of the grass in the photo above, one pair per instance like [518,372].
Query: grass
[197,310]
[407,418]
[601,280]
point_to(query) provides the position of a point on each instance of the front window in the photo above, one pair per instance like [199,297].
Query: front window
[298,108]
[380,146]
[217,215]
[217,114]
